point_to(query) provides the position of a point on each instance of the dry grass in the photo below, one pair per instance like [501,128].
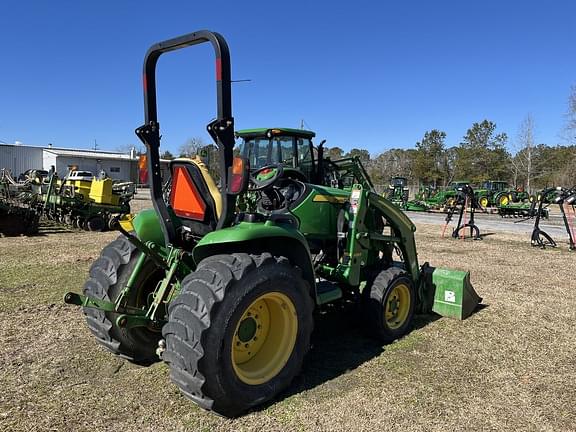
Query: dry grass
[511,366]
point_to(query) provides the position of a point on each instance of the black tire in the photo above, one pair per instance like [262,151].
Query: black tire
[79,223]
[375,297]
[202,323]
[95,223]
[108,276]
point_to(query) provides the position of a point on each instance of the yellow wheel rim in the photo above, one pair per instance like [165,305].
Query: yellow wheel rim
[450,202]
[504,200]
[484,202]
[264,338]
[397,306]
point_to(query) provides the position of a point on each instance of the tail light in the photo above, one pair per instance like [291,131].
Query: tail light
[239,175]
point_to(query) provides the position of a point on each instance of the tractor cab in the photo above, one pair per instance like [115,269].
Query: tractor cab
[291,148]
[496,186]
[398,182]
[300,159]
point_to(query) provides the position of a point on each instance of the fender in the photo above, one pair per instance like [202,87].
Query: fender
[147,227]
[256,237]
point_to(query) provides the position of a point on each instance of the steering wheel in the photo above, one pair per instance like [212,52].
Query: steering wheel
[265,177]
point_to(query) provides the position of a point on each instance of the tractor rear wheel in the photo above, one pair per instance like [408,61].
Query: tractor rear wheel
[108,276]
[238,331]
[388,303]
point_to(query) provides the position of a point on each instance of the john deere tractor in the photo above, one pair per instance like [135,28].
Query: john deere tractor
[398,191]
[221,281]
[499,193]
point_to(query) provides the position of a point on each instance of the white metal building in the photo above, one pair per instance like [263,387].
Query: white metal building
[18,158]
[119,166]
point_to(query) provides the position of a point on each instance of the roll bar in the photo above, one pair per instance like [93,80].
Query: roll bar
[220,129]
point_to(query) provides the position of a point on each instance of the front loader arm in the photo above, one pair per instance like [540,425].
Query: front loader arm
[402,227]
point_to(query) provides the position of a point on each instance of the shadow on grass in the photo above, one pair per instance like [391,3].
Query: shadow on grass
[339,344]
[43,230]
[486,234]
[56,229]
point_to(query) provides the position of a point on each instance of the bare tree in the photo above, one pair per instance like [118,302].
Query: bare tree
[570,128]
[523,160]
[191,147]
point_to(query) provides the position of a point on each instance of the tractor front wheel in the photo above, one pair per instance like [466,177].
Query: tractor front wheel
[238,331]
[503,200]
[108,276]
[388,301]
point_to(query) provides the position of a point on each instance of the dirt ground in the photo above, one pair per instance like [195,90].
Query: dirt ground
[511,366]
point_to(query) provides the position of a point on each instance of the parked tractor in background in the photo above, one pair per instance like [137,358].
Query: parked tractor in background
[399,194]
[499,193]
[398,191]
[222,282]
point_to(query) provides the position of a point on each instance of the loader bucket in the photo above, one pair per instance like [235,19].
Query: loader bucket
[452,293]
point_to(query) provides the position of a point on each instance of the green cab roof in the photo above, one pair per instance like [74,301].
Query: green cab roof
[258,132]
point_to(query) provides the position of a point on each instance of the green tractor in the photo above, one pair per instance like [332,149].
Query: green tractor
[398,194]
[398,191]
[222,282]
[499,193]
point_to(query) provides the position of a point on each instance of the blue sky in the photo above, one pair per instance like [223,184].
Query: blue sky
[372,75]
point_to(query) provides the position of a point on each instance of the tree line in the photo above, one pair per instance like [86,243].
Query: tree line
[482,154]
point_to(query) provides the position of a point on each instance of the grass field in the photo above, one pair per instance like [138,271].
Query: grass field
[511,366]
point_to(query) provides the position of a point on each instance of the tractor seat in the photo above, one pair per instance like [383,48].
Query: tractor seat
[194,196]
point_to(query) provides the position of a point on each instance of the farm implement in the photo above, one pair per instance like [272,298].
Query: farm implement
[465,203]
[440,198]
[525,210]
[90,205]
[222,282]
[18,211]
[566,201]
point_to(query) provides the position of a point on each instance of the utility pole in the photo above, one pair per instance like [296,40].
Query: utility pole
[95,144]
